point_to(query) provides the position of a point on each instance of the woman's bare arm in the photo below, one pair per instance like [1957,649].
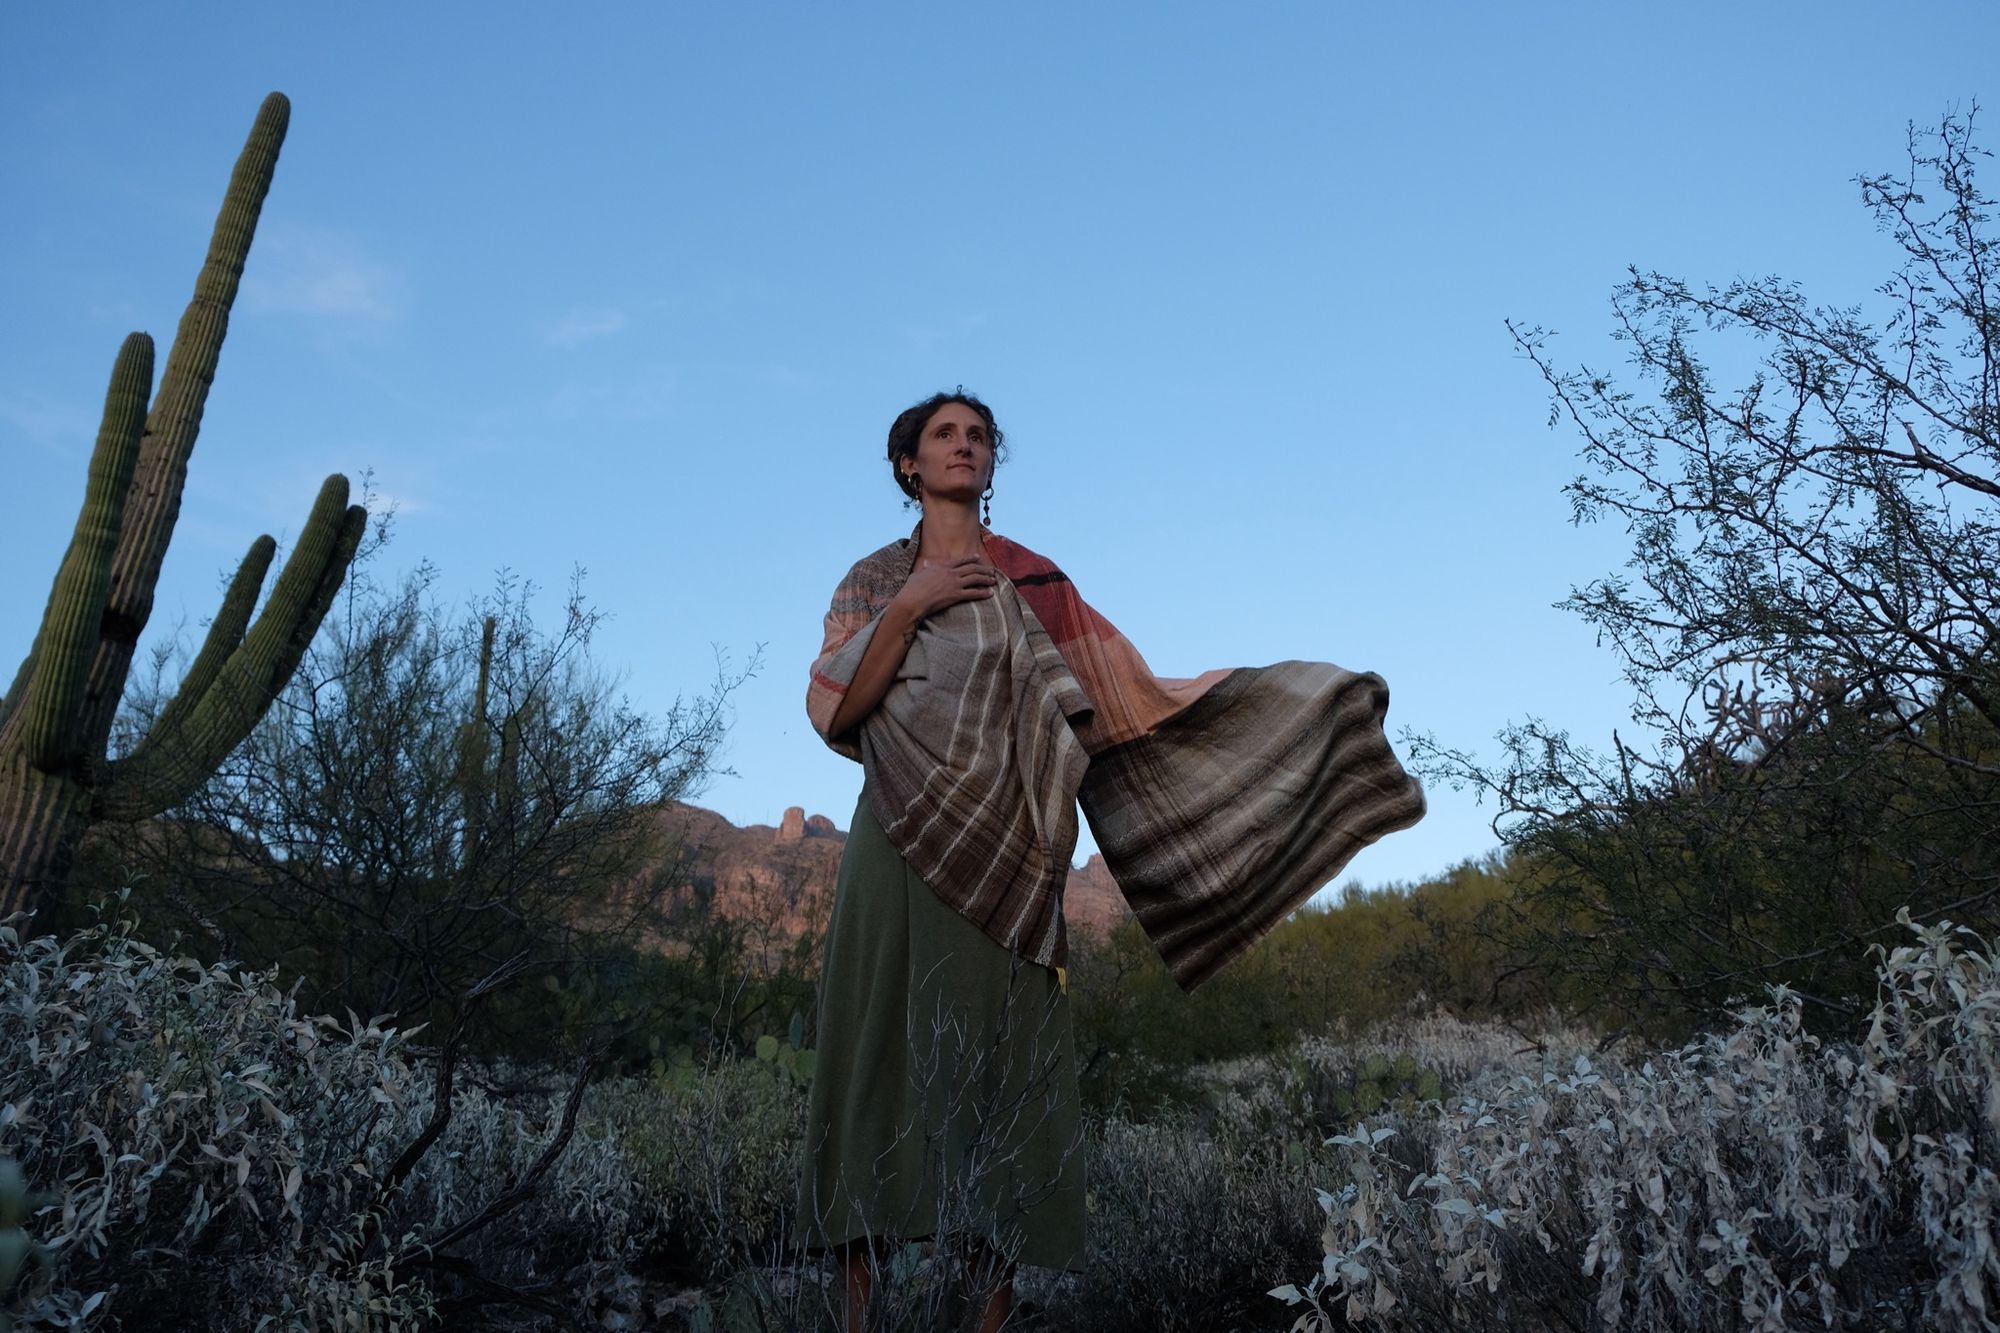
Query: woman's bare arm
[885,652]
[927,592]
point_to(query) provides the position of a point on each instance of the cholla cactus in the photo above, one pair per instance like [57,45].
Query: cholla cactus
[55,719]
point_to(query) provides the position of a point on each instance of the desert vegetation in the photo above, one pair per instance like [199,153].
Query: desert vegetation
[391,1006]
[208,1155]
[56,781]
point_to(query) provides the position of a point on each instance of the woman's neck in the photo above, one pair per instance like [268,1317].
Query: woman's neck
[949,531]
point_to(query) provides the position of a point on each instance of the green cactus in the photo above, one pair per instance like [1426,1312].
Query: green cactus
[20,1254]
[1378,1081]
[490,795]
[795,1064]
[56,717]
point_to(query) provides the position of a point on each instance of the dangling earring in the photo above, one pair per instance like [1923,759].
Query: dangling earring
[986,501]
[916,487]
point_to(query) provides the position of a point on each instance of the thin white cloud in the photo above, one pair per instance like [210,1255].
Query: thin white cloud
[58,427]
[306,270]
[585,323]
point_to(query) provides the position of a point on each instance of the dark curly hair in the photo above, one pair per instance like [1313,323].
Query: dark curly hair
[909,428]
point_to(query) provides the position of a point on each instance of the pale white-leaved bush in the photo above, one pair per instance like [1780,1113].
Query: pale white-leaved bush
[205,1156]
[1757,1178]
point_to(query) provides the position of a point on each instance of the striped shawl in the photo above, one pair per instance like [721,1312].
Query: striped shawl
[1220,803]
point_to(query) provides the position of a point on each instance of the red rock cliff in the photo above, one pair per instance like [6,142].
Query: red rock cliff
[780,880]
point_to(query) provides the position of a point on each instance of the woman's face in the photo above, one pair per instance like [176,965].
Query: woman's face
[954,457]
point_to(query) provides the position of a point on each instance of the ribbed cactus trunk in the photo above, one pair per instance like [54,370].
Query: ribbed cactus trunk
[489,794]
[56,718]
[474,788]
[42,818]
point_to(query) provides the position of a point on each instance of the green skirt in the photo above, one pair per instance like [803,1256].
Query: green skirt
[944,1096]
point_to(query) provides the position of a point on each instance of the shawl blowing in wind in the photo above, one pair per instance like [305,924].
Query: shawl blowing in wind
[1220,803]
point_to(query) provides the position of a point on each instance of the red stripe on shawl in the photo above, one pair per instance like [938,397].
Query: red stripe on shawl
[1129,700]
[1055,603]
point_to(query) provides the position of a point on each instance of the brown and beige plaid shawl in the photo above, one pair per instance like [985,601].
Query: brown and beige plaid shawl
[1220,803]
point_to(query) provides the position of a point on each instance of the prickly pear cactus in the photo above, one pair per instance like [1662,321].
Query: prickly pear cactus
[55,719]
[1320,1099]
[1383,1080]
[20,1256]
[786,1056]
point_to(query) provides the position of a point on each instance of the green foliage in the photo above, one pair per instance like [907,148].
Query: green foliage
[220,1158]
[56,779]
[1381,1081]
[439,794]
[1806,620]
[1363,958]
[717,1151]
[674,1202]
[795,1064]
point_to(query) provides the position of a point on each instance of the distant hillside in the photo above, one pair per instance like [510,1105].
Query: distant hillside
[781,879]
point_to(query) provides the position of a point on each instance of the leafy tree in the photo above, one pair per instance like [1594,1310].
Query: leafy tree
[437,797]
[1365,957]
[1807,620]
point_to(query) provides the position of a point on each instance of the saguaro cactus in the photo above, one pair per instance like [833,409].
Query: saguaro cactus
[55,720]
[490,792]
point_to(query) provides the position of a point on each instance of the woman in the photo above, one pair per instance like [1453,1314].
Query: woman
[984,698]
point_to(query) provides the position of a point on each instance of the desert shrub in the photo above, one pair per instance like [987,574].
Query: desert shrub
[1756,1178]
[1186,1229]
[585,1223]
[1809,486]
[717,1151]
[207,1157]
[1324,1083]
[193,1136]
[1352,962]
[437,791]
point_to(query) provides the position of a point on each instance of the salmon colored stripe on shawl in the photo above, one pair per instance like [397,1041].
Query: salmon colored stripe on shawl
[1220,803]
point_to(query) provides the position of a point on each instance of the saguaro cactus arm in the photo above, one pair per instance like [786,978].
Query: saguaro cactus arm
[473,784]
[56,717]
[177,757]
[59,664]
[225,632]
[153,500]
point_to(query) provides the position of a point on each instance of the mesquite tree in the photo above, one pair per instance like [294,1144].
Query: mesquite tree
[56,779]
[1809,618]
[439,794]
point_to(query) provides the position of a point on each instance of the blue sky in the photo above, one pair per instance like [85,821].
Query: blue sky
[640,288]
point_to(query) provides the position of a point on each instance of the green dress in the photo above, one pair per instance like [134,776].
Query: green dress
[944,1096]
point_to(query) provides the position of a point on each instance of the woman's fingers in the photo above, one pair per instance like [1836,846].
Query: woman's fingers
[961,580]
[972,584]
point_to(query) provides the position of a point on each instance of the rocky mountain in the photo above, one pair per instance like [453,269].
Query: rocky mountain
[780,880]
